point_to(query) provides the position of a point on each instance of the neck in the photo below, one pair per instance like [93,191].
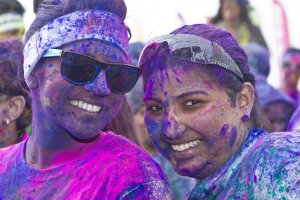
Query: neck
[8,135]
[232,24]
[51,145]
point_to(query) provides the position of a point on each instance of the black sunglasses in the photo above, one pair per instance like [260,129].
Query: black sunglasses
[80,69]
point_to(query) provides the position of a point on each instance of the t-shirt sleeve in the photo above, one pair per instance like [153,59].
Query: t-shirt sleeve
[152,190]
[278,172]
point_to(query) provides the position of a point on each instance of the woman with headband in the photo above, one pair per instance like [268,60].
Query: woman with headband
[203,115]
[76,65]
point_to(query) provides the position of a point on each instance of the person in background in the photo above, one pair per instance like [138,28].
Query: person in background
[15,111]
[258,58]
[203,115]
[11,19]
[233,16]
[277,106]
[294,123]
[290,71]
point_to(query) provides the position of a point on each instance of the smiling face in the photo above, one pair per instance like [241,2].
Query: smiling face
[191,119]
[81,111]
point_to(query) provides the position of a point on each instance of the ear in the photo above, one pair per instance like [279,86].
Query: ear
[16,106]
[245,98]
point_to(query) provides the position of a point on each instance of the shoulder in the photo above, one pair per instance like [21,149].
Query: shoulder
[280,142]
[10,155]
[276,159]
[130,156]
[131,169]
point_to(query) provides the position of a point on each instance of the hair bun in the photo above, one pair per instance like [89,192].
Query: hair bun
[117,7]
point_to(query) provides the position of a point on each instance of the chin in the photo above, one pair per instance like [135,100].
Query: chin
[84,137]
[84,133]
[191,168]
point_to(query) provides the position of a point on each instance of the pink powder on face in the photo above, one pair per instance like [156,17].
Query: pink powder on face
[1,131]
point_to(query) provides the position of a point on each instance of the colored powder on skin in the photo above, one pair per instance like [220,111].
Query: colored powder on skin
[46,101]
[1,132]
[176,75]
[224,130]
[152,126]
[149,86]
[233,136]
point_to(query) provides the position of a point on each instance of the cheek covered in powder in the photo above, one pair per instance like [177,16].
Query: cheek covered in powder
[224,130]
[233,136]
[148,89]
[46,101]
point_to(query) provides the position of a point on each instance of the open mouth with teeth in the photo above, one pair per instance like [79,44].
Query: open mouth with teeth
[185,146]
[86,106]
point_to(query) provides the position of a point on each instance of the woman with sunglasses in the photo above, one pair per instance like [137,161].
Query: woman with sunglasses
[15,111]
[76,65]
[203,115]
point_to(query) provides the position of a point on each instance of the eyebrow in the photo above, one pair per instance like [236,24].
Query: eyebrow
[154,99]
[179,96]
[191,93]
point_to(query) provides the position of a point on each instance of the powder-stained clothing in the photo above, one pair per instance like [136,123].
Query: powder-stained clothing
[180,185]
[267,166]
[114,169]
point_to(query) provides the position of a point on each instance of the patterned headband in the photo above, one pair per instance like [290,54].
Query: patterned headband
[191,48]
[79,25]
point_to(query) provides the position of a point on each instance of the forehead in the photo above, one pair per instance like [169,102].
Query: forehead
[98,49]
[291,57]
[174,79]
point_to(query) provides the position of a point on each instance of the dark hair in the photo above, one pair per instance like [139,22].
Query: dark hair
[122,124]
[292,50]
[11,6]
[11,57]
[226,79]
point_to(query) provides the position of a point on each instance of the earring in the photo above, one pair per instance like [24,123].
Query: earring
[245,117]
[7,121]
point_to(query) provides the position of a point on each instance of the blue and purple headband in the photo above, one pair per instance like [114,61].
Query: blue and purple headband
[79,25]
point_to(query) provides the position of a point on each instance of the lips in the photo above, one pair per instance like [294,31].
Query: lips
[86,106]
[185,146]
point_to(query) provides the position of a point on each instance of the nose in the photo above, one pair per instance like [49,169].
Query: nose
[98,86]
[173,128]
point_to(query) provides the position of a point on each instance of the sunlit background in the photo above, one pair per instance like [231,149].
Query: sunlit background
[149,18]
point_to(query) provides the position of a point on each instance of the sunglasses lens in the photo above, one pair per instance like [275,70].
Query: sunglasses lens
[78,69]
[121,79]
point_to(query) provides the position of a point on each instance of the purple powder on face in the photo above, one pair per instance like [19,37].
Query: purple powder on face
[224,130]
[233,136]
[148,89]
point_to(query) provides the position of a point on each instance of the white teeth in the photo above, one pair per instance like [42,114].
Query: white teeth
[85,106]
[183,147]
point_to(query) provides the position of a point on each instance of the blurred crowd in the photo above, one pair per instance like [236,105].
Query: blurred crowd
[280,105]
